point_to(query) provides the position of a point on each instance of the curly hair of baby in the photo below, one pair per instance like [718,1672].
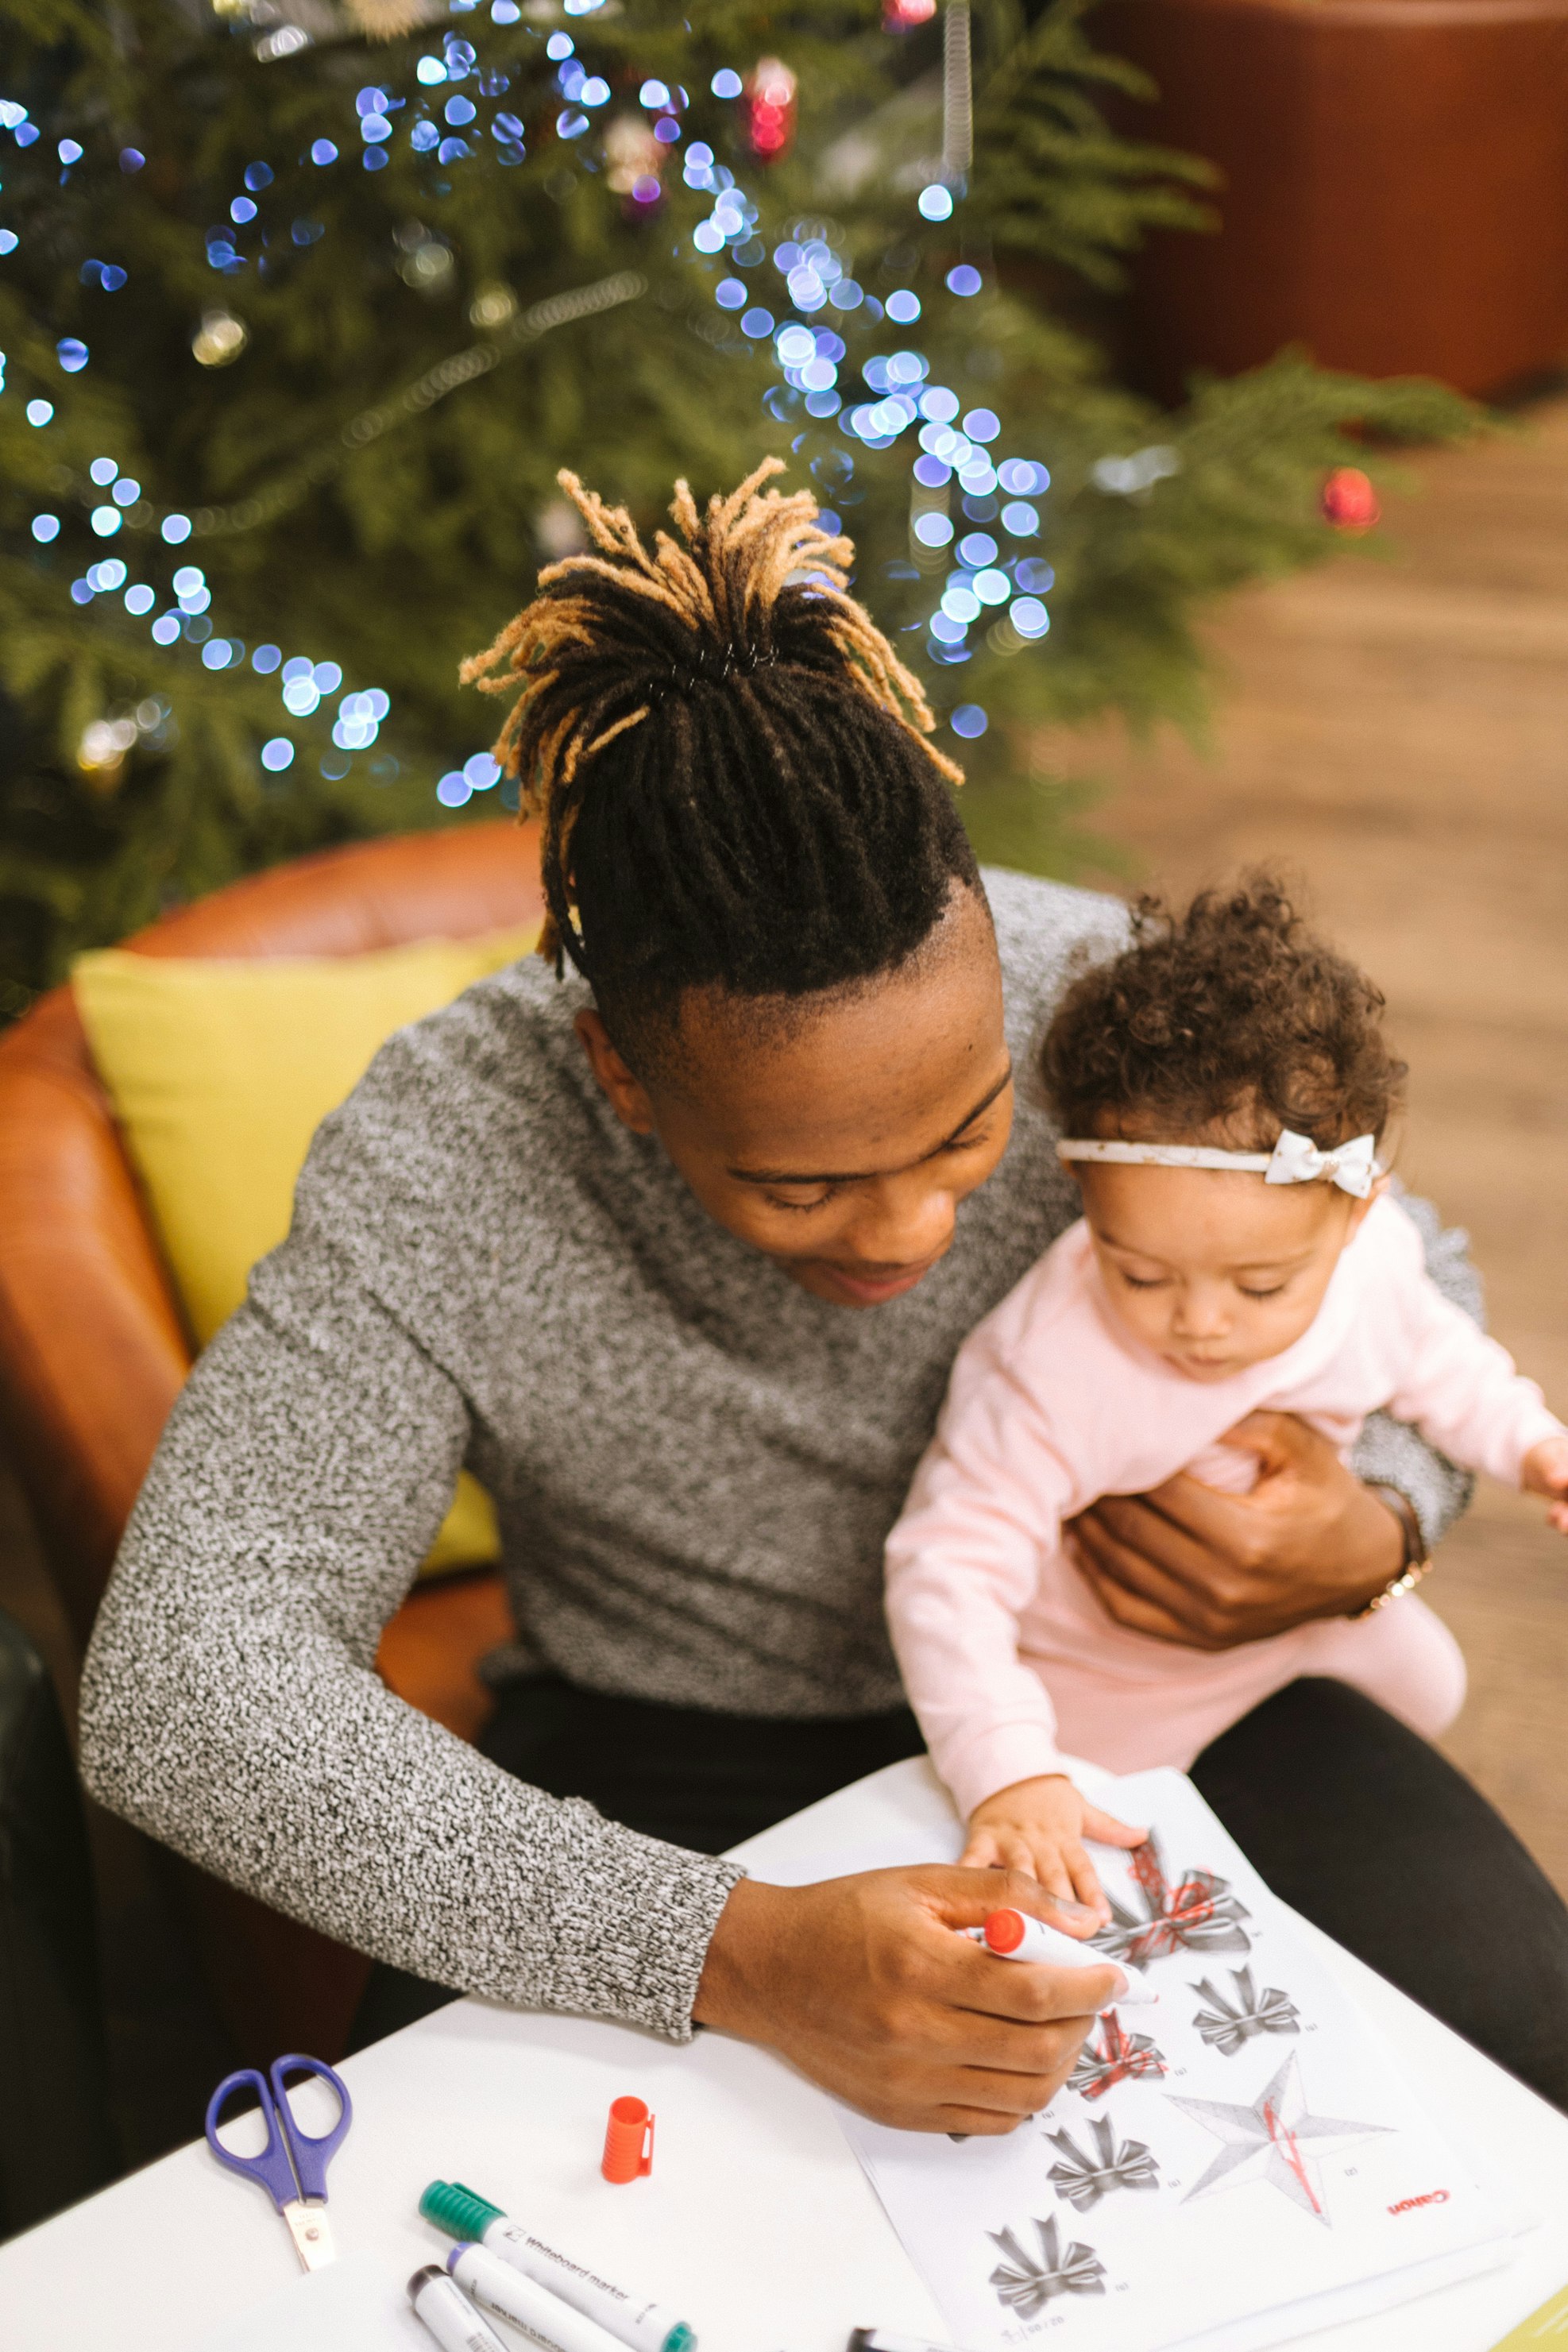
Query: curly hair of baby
[1222,1025]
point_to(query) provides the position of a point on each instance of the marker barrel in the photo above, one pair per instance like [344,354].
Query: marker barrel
[449,2314]
[644,2327]
[530,2308]
[1014,1936]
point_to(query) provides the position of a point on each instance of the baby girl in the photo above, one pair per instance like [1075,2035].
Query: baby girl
[1224,1088]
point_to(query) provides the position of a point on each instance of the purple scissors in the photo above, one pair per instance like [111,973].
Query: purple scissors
[292,2167]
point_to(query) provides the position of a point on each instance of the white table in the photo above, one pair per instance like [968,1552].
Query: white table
[757,2223]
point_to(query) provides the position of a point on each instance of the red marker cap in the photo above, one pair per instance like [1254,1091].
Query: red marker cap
[629,2141]
[1005,1930]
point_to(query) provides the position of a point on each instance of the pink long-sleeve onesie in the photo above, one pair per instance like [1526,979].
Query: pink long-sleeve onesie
[1007,1656]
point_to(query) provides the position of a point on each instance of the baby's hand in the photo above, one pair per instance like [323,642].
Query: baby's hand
[1545,1472]
[1038,1826]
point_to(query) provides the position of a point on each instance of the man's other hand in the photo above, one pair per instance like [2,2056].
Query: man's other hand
[1189,1564]
[863,1984]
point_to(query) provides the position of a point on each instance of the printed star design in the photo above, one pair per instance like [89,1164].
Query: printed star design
[1268,2141]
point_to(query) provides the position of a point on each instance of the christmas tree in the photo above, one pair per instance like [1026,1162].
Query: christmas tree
[303,305]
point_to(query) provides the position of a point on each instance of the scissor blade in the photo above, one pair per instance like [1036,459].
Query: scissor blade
[311,2233]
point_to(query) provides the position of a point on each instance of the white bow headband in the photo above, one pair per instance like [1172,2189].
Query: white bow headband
[1295,1159]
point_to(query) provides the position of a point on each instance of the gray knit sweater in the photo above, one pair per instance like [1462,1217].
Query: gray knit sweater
[694,1463]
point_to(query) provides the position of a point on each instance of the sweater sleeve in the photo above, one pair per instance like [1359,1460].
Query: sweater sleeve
[231,1705]
[1461,1390]
[964,1562]
[1391,1452]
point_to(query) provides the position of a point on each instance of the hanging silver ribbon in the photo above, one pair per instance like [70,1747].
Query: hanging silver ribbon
[1228,2025]
[957,98]
[1025,2285]
[1083,2179]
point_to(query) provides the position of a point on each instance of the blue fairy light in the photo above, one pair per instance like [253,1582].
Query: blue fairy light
[594,91]
[300,697]
[326,676]
[559,45]
[933,529]
[959,603]
[982,424]
[106,521]
[992,586]
[452,150]
[903,306]
[655,97]
[978,475]
[569,124]
[71,354]
[103,578]
[138,600]
[934,203]
[9,240]
[257,177]
[932,473]
[175,529]
[45,527]
[40,412]
[939,405]
[945,628]
[1021,518]
[666,131]
[1035,576]
[103,470]
[1029,617]
[504,12]
[726,83]
[277,753]
[481,772]
[756,323]
[131,159]
[731,293]
[165,628]
[189,579]
[969,720]
[217,654]
[11,114]
[423,137]
[82,592]
[454,789]
[266,658]
[1023,479]
[823,403]
[322,151]
[459,109]
[976,548]
[126,491]
[308,231]
[71,150]
[430,70]
[964,280]
[242,209]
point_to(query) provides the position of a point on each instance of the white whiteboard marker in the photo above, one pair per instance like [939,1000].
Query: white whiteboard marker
[530,2308]
[1014,1936]
[450,2316]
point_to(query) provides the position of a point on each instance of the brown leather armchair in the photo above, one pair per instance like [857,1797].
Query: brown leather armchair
[93,1351]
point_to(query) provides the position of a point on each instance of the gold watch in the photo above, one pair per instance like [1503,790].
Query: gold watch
[1416,1562]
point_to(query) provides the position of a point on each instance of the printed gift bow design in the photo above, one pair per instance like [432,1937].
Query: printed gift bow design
[1119,2057]
[1083,2179]
[1199,1914]
[1025,2285]
[1228,2025]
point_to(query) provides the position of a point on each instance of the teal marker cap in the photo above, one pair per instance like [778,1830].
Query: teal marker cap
[459,2211]
[681,2338]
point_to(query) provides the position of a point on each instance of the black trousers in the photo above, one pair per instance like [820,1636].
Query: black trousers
[1353,1819]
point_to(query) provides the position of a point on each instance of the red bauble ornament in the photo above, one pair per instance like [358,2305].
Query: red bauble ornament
[768,104]
[1349,500]
[903,15]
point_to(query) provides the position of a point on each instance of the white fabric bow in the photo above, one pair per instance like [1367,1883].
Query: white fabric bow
[1296,1160]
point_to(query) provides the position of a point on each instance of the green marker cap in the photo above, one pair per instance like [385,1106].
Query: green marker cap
[681,2338]
[459,2211]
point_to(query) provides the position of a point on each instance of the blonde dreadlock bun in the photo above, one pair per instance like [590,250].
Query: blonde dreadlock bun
[727,758]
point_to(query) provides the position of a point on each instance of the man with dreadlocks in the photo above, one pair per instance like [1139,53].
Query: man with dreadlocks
[592,1232]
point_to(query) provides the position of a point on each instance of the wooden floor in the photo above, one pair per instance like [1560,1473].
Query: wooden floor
[1396,733]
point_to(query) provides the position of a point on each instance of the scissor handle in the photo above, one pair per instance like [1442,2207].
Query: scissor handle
[272,2168]
[311,2153]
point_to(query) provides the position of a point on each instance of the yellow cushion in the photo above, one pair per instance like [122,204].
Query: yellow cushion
[220,1072]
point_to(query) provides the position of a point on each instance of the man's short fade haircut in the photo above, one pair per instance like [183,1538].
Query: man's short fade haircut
[1231,1019]
[729,763]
